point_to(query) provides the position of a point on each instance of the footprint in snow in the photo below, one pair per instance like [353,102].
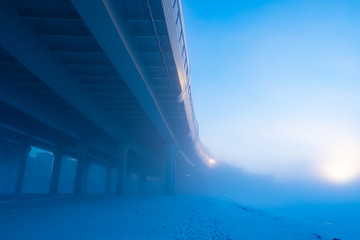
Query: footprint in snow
[200,226]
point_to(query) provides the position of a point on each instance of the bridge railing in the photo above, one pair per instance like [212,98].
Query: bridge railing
[175,24]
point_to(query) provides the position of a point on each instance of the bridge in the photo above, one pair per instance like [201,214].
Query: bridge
[95,97]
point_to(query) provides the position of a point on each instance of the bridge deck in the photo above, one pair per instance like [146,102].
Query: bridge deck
[104,83]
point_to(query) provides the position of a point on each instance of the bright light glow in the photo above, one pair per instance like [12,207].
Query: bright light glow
[340,172]
[341,161]
[211,162]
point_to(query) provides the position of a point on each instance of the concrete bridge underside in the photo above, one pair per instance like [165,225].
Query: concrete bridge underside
[95,96]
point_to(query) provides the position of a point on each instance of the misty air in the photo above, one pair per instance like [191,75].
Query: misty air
[170,119]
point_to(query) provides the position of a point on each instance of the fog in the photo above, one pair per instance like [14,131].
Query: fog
[115,124]
[262,190]
[332,204]
[276,87]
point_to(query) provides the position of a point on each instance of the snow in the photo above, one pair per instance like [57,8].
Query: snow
[150,217]
[339,217]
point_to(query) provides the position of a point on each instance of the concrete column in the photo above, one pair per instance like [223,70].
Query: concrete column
[82,168]
[58,155]
[171,152]
[123,152]
[108,180]
[22,166]
[142,184]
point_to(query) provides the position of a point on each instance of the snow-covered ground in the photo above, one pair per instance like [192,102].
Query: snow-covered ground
[339,217]
[150,217]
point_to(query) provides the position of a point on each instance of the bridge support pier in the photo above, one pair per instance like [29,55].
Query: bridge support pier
[171,152]
[22,166]
[123,152]
[82,169]
[58,155]
[108,180]
[142,185]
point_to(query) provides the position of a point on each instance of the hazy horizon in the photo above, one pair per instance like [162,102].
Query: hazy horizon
[275,85]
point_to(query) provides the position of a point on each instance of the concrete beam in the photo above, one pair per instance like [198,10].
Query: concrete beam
[20,100]
[106,24]
[21,42]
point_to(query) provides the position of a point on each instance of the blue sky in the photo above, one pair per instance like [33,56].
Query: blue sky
[276,85]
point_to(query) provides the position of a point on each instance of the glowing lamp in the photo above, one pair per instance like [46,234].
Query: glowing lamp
[211,162]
